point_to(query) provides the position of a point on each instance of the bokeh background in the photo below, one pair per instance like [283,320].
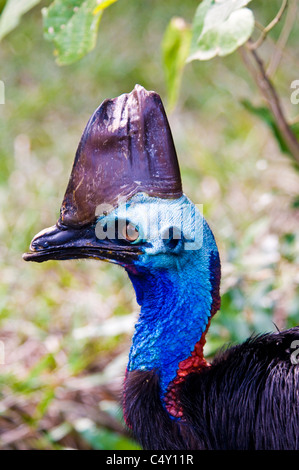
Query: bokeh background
[66,326]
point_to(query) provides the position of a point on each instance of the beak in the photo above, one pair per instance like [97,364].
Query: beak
[63,242]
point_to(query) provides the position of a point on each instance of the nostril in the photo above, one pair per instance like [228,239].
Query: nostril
[39,245]
[43,239]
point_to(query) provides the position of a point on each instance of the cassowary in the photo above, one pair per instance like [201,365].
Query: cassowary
[124,204]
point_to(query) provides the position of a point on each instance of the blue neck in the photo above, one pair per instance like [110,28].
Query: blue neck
[175,308]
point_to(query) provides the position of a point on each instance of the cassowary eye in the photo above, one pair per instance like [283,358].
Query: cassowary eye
[130,232]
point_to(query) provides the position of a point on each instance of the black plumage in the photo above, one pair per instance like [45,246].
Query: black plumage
[247,400]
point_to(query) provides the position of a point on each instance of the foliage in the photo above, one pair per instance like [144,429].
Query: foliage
[175,49]
[10,17]
[219,28]
[73,25]
[266,116]
[67,326]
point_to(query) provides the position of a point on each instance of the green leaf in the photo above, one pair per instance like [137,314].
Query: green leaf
[219,28]
[73,26]
[102,4]
[175,49]
[12,13]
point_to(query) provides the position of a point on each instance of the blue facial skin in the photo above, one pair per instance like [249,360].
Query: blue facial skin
[173,281]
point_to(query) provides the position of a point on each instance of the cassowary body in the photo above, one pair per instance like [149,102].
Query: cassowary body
[246,400]
[124,204]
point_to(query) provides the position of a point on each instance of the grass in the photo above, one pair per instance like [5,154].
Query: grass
[66,327]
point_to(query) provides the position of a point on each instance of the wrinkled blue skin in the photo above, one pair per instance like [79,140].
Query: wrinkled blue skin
[172,283]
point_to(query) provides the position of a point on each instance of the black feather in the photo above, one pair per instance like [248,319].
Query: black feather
[247,399]
[148,420]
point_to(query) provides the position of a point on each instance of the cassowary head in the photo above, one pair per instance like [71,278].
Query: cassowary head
[124,204]
[124,201]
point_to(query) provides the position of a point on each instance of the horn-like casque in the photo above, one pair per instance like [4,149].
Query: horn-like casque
[126,147]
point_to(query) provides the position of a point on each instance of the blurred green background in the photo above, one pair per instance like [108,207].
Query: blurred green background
[66,326]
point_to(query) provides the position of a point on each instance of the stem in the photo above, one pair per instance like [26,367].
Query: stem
[283,38]
[269,93]
[270,26]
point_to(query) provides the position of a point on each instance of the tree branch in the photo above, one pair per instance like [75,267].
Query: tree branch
[269,93]
[276,19]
